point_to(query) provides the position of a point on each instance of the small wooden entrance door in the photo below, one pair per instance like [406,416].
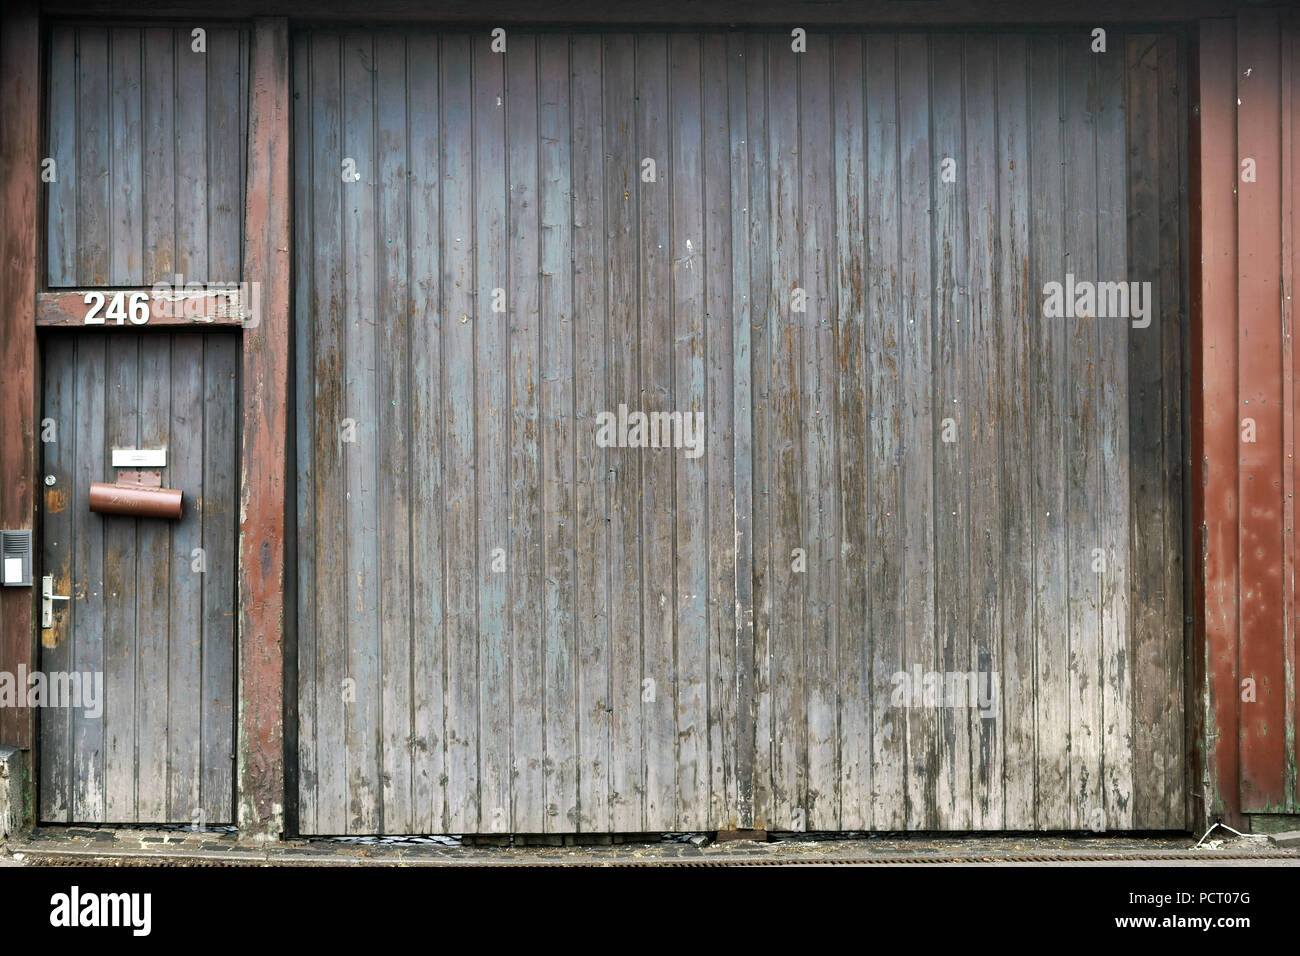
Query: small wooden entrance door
[147,635]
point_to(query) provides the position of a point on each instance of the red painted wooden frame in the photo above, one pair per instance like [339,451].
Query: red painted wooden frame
[19,372]
[265,462]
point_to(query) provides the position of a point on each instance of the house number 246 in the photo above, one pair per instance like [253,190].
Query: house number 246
[122,306]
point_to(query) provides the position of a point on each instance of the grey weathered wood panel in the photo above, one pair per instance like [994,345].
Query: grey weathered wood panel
[909,470]
[148,138]
[153,601]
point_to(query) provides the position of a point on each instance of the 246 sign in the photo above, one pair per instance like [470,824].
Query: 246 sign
[123,307]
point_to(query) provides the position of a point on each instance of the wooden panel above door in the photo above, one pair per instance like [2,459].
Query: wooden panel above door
[146,134]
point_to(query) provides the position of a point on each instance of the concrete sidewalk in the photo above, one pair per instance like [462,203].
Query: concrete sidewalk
[82,846]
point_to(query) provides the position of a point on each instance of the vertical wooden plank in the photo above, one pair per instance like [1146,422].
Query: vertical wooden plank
[790,546]
[1263,744]
[61,194]
[524,555]
[94,152]
[1048,351]
[626,773]
[1080,431]
[1114,496]
[758,239]
[221,526]
[853,646]
[653,131]
[1017,302]
[58,550]
[427,538]
[192,155]
[690,562]
[188,571]
[1145,425]
[298,472]
[885,528]
[121,409]
[1201,792]
[458,437]
[153,573]
[309,730]
[741,746]
[360,456]
[726,540]
[259,389]
[1290,77]
[818,409]
[225,136]
[90,599]
[126,174]
[591,492]
[953,409]
[326,319]
[1170,301]
[555,174]
[158,122]
[915,436]
[1214,426]
[983,376]
[491,350]
[243,67]
[394,451]
[220,530]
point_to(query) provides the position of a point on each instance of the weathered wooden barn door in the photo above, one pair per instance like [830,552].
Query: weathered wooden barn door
[145,129]
[520,611]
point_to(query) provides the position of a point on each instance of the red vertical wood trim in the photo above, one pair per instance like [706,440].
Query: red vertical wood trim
[1214,388]
[1288,173]
[263,490]
[1260,396]
[19,174]
[1196,693]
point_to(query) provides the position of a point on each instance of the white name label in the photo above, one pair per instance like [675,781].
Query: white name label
[139,457]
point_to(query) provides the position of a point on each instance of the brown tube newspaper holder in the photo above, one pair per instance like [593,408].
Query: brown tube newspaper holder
[136,493]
